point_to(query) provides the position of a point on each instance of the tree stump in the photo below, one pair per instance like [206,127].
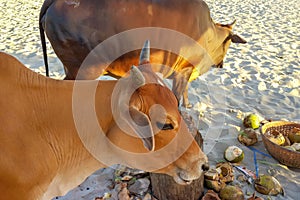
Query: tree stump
[165,188]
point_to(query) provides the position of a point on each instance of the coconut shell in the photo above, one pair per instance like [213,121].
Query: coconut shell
[232,193]
[248,137]
[268,185]
[211,195]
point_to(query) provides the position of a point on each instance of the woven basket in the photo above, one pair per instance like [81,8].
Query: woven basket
[285,156]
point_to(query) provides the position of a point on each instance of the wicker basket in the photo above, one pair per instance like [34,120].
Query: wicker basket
[285,156]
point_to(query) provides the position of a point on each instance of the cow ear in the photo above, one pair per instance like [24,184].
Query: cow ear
[237,39]
[141,125]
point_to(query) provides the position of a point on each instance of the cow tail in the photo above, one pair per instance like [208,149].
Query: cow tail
[43,11]
[44,47]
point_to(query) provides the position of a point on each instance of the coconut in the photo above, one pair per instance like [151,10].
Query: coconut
[254,197]
[212,174]
[278,139]
[251,121]
[226,172]
[210,195]
[296,146]
[268,185]
[248,137]
[290,148]
[231,192]
[216,179]
[234,154]
[214,185]
[294,135]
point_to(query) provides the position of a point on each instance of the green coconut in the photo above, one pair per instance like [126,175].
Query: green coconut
[234,154]
[251,121]
[294,136]
[231,193]
[268,185]
[214,185]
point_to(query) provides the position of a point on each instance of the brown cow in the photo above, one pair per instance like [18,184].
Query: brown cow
[76,27]
[42,153]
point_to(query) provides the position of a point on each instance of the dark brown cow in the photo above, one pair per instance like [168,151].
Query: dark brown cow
[75,27]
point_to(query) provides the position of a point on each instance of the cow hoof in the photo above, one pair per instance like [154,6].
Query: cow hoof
[187,105]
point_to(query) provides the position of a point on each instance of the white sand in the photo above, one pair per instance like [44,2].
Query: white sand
[262,76]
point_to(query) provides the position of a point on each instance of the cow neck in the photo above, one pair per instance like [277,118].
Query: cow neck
[53,101]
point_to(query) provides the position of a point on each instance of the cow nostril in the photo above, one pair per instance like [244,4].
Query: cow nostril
[205,167]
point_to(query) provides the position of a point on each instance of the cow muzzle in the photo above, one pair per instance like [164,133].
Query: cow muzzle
[186,177]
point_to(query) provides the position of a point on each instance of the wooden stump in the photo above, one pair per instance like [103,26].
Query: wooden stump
[165,188]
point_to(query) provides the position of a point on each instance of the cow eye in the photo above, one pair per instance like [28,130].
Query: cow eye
[167,126]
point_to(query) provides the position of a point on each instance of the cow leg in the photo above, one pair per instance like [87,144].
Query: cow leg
[180,84]
[70,75]
[68,78]
[186,102]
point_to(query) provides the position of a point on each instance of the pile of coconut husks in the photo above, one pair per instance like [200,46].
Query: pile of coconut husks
[225,180]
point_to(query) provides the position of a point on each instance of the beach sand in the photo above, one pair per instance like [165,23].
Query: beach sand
[262,77]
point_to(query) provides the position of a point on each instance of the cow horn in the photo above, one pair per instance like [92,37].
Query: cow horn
[145,53]
[231,24]
[227,25]
[137,77]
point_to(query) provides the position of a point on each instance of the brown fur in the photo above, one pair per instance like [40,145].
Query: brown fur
[75,30]
[41,153]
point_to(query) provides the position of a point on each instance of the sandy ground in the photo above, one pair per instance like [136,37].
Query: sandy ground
[261,77]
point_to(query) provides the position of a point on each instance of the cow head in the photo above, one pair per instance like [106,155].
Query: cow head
[154,122]
[224,37]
